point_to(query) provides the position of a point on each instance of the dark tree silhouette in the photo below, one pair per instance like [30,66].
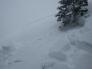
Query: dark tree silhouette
[71,10]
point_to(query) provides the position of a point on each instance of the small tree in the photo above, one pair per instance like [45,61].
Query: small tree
[71,10]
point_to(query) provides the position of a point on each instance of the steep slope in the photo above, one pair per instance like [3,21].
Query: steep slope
[41,45]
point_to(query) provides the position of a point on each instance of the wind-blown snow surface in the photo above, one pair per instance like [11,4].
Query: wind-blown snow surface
[38,43]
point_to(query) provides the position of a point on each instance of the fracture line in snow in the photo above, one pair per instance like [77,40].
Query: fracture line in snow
[41,19]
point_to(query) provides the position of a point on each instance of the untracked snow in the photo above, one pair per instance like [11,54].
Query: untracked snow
[31,39]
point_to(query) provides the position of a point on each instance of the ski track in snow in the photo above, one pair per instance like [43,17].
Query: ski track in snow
[42,46]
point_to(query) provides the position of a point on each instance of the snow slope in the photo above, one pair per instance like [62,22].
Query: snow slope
[41,45]
[15,14]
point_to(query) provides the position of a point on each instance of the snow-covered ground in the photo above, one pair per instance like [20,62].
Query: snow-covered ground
[30,38]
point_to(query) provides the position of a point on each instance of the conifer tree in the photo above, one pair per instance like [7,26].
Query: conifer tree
[71,10]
